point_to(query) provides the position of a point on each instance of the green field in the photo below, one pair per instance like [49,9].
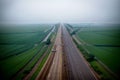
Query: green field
[103,42]
[20,47]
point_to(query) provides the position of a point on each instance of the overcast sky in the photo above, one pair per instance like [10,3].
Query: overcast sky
[41,11]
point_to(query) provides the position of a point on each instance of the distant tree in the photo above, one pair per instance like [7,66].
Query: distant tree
[48,41]
[91,57]
[73,33]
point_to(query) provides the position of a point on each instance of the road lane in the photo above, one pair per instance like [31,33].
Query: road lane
[78,68]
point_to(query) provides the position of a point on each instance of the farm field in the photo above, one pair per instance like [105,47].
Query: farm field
[21,47]
[103,42]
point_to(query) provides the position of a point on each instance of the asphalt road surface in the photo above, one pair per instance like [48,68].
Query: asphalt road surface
[78,69]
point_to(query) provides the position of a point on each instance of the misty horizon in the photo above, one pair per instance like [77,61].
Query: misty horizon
[55,11]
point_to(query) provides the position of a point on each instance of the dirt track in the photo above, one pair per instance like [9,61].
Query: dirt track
[53,67]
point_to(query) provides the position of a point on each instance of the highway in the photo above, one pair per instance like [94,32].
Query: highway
[78,68]
[65,61]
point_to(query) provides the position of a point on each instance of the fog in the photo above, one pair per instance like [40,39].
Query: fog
[52,11]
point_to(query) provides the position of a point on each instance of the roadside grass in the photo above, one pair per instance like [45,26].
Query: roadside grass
[42,63]
[104,75]
[39,68]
